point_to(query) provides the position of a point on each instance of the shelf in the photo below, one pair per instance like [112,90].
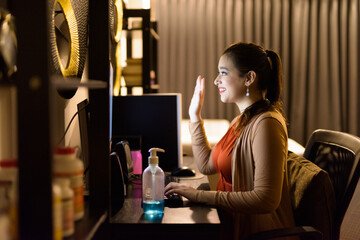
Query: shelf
[133,29]
[87,227]
[61,83]
[7,84]
[144,14]
[38,124]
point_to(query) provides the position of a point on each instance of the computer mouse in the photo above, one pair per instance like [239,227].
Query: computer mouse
[183,172]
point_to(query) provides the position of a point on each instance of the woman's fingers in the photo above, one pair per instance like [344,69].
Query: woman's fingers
[181,189]
[197,100]
[199,87]
[169,189]
[202,90]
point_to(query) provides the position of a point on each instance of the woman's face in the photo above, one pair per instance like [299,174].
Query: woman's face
[231,86]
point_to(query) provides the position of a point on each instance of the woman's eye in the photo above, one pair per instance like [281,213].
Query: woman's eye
[222,73]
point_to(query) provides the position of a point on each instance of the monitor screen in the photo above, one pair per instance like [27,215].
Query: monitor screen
[153,118]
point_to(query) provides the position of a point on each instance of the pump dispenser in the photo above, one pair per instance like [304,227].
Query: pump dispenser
[153,183]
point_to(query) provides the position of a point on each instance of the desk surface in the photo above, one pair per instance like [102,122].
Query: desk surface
[199,219]
[190,213]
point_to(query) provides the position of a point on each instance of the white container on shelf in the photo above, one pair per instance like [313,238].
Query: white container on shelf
[57,211]
[67,206]
[66,165]
[4,216]
[8,184]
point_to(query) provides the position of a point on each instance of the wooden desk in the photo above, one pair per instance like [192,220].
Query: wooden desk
[192,221]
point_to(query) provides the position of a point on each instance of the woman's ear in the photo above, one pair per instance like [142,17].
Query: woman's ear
[250,78]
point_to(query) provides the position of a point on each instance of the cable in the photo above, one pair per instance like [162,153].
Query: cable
[68,126]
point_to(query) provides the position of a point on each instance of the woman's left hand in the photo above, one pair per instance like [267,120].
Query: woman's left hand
[197,100]
[181,189]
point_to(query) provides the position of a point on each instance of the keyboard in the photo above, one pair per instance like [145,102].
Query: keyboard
[173,200]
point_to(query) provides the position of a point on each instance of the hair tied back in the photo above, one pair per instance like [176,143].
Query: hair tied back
[268,55]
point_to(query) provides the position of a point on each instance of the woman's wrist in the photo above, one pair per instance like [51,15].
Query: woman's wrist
[195,118]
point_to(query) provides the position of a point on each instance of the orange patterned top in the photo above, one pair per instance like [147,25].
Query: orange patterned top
[222,158]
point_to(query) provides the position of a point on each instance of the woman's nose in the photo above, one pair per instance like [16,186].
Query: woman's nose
[216,81]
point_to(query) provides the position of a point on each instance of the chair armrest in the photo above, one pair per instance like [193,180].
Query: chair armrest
[304,232]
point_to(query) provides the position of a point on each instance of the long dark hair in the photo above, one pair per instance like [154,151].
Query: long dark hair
[267,66]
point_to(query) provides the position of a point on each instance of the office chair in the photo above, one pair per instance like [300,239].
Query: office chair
[313,202]
[350,226]
[338,154]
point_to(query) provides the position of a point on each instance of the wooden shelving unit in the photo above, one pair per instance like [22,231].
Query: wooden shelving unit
[36,126]
[144,14]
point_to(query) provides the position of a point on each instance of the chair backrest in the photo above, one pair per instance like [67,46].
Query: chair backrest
[312,195]
[338,154]
[350,226]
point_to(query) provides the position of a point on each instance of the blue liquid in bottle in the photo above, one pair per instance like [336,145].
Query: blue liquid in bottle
[153,207]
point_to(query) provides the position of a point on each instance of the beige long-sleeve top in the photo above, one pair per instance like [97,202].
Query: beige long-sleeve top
[260,200]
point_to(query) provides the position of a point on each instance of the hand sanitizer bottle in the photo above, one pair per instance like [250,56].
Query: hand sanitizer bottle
[153,183]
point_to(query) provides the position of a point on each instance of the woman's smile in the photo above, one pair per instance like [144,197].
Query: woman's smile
[221,90]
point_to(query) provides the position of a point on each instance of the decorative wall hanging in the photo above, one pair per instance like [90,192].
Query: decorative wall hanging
[68,30]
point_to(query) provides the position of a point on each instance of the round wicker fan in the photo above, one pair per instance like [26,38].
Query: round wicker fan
[68,30]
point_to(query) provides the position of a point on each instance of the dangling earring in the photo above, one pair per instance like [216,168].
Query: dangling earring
[247,91]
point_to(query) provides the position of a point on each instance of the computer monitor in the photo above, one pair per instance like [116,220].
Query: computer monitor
[156,120]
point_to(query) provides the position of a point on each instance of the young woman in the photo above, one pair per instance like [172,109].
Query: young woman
[252,191]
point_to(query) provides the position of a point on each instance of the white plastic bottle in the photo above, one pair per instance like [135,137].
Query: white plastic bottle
[9,182]
[66,165]
[57,211]
[4,216]
[67,206]
[153,183]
